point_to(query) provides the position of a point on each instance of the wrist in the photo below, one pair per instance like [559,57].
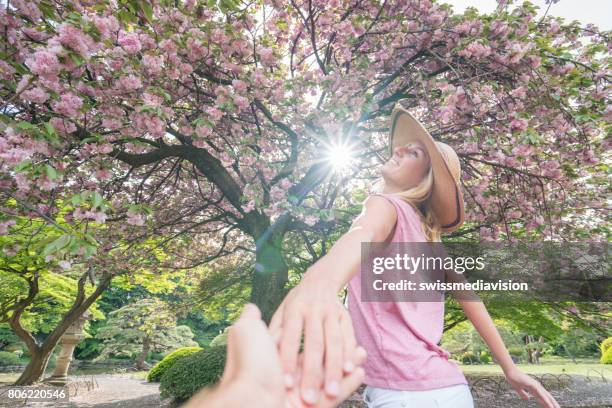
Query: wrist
[509,369]
[317,279]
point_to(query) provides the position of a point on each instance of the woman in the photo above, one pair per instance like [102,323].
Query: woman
[420,199]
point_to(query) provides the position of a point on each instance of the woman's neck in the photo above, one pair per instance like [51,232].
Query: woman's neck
[390,189]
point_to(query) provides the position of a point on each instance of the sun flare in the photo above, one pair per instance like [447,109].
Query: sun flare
[340,156]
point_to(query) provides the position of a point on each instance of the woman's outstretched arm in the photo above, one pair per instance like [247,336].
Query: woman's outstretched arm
[520,382]
[314,309]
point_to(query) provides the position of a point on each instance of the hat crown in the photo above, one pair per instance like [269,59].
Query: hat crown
[451,159]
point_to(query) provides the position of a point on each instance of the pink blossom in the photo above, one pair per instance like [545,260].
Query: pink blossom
[135,218]
[203,130]
[107,26]
[519,92]
[65,265]
[129,83]
[75,39]
[476,50]
[239,85]
[4,226]
[130,42]
[152,63]
[68,105]
[63,126]
[241,102]
[103,174]
[44,63]
[156,126]
[311,220]
[519,124]
[267,56]
[215,113]
[200,143]
[36,95]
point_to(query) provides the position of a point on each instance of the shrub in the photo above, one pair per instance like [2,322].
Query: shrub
[193,372]
[485,356]
[605,345]
[7,358]
[606,358]
[220,340]
[469,358]
[160,368]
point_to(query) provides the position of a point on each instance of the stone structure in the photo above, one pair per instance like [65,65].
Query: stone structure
[73,336]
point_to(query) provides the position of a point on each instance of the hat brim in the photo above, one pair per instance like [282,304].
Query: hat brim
[447,198]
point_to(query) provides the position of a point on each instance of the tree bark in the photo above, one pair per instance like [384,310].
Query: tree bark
[141,360]
[271,275]
[41,354]
[36,367]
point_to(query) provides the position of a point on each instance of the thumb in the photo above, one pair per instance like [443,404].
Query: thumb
[522,393]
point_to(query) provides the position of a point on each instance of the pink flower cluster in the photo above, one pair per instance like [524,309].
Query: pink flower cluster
[475,50]
[68,105]
[129,41]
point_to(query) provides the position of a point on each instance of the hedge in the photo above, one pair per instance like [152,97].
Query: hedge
[193,372]
[605,345]
[8,359]
[160,368]
[606,357]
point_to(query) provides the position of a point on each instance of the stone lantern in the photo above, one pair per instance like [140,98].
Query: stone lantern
[69,340]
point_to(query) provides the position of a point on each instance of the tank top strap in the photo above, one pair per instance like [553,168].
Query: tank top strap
[408,227]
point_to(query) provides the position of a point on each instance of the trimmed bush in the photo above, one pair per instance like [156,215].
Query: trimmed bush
[605,345]
[8,359]
[485,357]
[160,368]
[606,358]
[220,340]
[187,375]
[469,358]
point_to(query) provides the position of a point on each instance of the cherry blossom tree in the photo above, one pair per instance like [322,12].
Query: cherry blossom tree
[217,121]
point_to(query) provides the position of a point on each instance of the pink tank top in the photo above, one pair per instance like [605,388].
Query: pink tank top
[401,338]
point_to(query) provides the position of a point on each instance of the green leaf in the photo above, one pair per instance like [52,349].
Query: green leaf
[77,58]
[97,199]
[24,165]
[147,9]
[76,200]
[51,172]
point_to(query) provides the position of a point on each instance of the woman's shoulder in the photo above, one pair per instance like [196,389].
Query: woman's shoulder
[396,202]
[407,215]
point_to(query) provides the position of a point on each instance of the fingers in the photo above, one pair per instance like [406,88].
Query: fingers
[276,322]
[334,357]
[349,342]
[314,343]
[543,396]
[523,394]
[349,384]
[236,332]
[289,343]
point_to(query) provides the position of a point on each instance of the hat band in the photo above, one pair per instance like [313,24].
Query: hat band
[457,211]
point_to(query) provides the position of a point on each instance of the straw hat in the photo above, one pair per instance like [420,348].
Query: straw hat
[447,198]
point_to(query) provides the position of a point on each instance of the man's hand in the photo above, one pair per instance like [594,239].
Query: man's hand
[253,374]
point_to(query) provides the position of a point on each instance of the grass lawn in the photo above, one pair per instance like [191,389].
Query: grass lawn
[547,365]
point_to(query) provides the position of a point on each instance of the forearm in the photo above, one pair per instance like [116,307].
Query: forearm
[478,315]
[342,261]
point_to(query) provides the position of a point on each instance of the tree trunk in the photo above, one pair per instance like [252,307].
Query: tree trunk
[41,354]
[271,274]
[36,367]
[141,361]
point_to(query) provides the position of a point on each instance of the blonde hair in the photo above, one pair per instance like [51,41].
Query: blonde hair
[419,197]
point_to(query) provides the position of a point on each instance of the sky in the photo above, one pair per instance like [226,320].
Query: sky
[598,12]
